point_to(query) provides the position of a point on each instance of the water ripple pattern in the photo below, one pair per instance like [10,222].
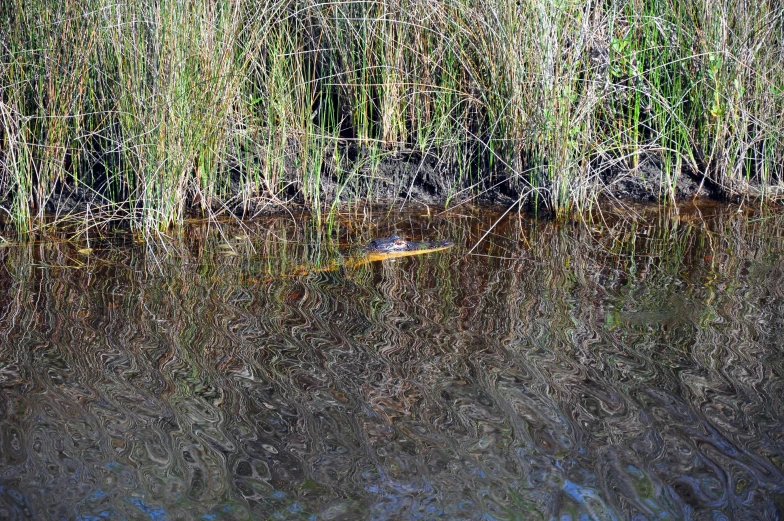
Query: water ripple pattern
[629,371]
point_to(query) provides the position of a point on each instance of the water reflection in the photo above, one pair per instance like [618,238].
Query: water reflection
[629,368]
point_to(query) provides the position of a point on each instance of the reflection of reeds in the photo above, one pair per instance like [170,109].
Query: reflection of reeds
[146,107]
[545,343]
[634,240]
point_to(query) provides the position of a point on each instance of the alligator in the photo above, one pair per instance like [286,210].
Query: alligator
[392,247]
[395,246]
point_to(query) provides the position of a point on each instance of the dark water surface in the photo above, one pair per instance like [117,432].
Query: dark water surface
[627,369]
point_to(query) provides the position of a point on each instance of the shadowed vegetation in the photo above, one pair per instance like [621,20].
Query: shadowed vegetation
[145,111]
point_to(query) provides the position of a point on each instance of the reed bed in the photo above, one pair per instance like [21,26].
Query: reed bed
[143,111]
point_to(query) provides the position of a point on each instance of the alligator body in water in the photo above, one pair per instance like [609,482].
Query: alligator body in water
[384,248]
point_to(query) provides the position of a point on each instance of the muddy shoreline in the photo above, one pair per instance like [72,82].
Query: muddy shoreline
[409,178]
[412,177]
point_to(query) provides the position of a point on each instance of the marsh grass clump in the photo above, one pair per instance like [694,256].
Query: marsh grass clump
[145,111]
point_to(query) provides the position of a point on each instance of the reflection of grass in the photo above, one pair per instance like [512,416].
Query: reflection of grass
[149,108]
[451,349]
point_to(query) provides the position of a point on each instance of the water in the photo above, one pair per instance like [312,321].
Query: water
[627,369]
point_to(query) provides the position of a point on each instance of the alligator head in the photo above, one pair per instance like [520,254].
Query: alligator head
[395,246]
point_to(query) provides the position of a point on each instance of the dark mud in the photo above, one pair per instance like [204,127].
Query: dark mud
[414,177]
[428,180]
[650,182]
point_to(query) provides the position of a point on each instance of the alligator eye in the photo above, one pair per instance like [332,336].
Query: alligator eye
[400,243]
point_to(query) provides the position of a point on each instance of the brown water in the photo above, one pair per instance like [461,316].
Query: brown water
[627,369]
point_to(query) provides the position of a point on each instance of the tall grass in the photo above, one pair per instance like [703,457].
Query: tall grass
[146,109]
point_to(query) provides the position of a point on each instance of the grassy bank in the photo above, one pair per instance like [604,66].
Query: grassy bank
[142,110]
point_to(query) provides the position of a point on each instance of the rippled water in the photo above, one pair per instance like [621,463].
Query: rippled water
[629,368]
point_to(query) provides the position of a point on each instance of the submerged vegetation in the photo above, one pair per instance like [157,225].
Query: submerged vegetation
[143,111]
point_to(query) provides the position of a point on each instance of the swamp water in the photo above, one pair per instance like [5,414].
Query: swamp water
[631,368]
